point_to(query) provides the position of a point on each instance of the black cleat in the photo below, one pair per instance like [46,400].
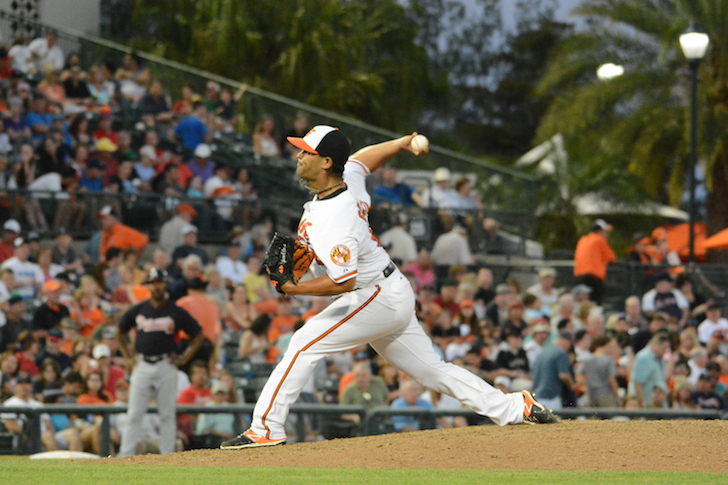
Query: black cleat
[534,412]
[249,440]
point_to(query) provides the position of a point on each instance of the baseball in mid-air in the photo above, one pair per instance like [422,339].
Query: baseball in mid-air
[420,142]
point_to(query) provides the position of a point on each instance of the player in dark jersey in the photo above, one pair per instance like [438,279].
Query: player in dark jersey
[154,361]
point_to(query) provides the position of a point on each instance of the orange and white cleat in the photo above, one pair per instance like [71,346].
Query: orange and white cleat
[249,439]
[534,412]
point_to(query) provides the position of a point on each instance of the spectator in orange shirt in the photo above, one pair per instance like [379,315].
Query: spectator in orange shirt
[86,313]
[592,255]
[70,335]
[283,322]
[128,293]
[205,310]
[318,304]
[116,234]
[196,394]
[93,394]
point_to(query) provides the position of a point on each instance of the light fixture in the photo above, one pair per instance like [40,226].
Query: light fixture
[694,44]
[609,71]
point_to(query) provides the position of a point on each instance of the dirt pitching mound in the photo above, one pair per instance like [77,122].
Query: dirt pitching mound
[570,445]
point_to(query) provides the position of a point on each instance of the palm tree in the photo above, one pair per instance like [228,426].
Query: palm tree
[638,124]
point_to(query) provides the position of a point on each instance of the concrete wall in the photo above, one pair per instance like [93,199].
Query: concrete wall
[80,15]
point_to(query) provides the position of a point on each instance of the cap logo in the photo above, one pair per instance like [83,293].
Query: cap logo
[340,255]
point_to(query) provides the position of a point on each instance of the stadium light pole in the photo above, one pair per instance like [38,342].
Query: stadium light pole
[694,44]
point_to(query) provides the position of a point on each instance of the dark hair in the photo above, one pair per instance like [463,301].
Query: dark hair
[580,334]
[73,377]
[49,363]
[261,324]
[198,364]
[134,56]
[26,339]
[101,393]
[599,342]
[528,299]
[113,252]
[681,279]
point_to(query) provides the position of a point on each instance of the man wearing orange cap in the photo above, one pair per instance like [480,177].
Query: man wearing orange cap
[170,234]
[592,255]
[48,316]
[116,234]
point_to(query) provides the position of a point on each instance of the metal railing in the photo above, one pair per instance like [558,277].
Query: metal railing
[147,211]
[371,421]
[32,426]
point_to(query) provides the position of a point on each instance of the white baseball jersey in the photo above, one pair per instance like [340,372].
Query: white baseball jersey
[379,311]
[344,246]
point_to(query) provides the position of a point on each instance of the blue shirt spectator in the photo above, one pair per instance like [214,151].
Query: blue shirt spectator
[192,130]
[92,179]
[410,398]
[552,371]
[38,119]
[391,192]
[647,370]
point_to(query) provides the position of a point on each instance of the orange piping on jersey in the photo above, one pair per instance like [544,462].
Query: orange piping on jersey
[366,169]
[347,275]
[290,366]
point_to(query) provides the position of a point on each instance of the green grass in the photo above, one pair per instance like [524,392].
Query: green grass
[21,470]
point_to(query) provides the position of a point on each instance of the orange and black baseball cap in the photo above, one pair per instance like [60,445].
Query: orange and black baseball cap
[325,141]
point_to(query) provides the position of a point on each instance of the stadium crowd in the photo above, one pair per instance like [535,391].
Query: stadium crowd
[61,304]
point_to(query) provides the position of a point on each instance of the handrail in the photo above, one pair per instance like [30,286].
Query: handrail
[369,419]
[33,428]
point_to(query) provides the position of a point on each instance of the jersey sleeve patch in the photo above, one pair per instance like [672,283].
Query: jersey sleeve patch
[340,255]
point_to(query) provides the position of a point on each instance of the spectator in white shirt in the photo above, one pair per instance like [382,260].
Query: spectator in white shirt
[666,300]
[219,188]
[712,323]
[28,276]
[545,291]
[230,267]
[21,55]
[440,195]
[452,247]
[46,53]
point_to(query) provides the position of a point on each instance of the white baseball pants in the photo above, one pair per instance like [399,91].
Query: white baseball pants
[383,316]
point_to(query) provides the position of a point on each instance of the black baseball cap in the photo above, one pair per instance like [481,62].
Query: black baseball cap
[325,141]
[23,378]
[196,283]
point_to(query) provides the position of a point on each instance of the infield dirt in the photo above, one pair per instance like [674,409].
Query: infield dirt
[570,445]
